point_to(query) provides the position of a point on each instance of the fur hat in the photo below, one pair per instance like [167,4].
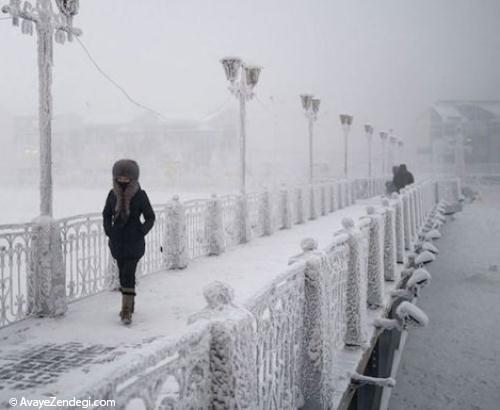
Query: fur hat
[126,168]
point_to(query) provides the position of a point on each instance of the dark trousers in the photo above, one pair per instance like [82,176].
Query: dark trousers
[127,267]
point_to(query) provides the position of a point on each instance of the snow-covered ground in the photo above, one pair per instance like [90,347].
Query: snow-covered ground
[454,364]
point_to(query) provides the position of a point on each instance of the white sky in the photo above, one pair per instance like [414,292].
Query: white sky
[382,61]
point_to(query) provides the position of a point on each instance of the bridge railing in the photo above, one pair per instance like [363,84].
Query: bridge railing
[89,267]
[280,348]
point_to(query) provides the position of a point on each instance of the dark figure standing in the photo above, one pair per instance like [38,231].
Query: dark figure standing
[403,178]
[121,220]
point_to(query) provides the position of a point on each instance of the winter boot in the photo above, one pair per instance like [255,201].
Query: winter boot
[128,295]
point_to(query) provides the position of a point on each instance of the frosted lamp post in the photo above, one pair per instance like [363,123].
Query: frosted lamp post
[369,137]
[400,151]
[346,121]
[311,108]
[392,150]
[242,80]
[48,25]
[383,137]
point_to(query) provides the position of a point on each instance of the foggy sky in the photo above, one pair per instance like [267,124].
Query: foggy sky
[383,61]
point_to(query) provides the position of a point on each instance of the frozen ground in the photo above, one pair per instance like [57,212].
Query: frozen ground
[454,364]
[90,339]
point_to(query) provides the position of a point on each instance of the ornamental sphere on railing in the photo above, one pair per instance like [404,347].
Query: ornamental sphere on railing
[383,135]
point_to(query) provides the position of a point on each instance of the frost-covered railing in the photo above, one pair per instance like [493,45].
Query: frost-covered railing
[15,242]
[280,348]
[169,375]
[184,230]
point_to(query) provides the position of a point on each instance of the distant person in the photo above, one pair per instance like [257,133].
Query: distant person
[403,178]
[121,220]
[390,185]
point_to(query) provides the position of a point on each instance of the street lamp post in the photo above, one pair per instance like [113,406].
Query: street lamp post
[392,150]
[242,78]
[369,137]
[383,137]
[311,108]
[49,25]
[346,121]
[400,151]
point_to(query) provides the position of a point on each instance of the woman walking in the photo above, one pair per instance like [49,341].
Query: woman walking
[121,220]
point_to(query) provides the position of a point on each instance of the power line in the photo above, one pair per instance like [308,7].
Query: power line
[107,77]
[217,110]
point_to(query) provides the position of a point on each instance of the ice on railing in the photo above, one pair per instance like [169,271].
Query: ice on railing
[375,274]
[232,349]
[278,310]
[285,212]
[390,246]
[15,245]
[324,316]
[214,227]
[174,249]
[400,235]
[195,216]
[356,284]
[169,375]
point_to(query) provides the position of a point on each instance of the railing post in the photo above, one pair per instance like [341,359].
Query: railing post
[332,196]
[390,254]
[323,199]
[46,295]
[375,274]
[314,315]
[266,214]
[313,214]
[340,190]
[214,227]
[400,230]
[285,209]
[299,206]
[407,220]
[175,254]
[232,355]
[243,221]
[413,199]
[355,288]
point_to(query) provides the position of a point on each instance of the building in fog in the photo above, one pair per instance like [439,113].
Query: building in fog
[480,122]
[177,150]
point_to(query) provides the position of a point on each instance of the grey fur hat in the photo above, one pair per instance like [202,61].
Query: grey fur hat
[126,168]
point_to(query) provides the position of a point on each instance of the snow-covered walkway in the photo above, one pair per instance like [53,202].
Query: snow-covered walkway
[40,357]
[454,364]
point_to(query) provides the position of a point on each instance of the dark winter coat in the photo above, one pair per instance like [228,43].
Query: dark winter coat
[126,241]
[403,178]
